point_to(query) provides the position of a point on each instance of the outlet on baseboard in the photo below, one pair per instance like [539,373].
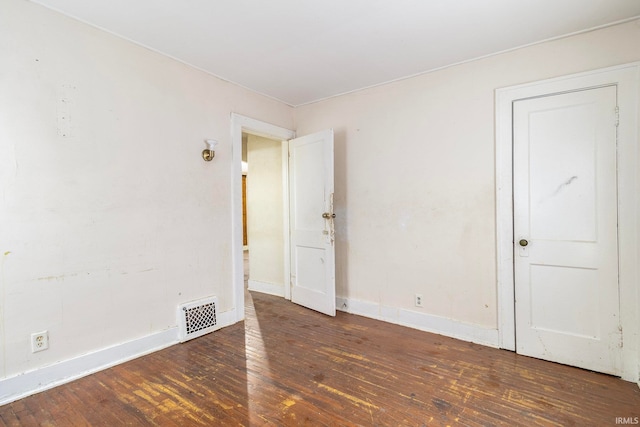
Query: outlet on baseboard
[39,341]
[418,300]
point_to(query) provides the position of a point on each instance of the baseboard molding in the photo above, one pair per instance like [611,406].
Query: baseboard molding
[32,382]
[266,288]
[424,322]
[226,318]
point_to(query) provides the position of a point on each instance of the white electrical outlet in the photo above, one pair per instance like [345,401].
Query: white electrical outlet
[418,300]
[39,341]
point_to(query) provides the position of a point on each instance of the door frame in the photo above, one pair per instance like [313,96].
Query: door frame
[241,124]
[626,78]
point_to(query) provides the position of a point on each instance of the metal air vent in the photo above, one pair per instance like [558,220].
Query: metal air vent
[197,318]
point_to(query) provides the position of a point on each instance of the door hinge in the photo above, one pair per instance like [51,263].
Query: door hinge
[617,116]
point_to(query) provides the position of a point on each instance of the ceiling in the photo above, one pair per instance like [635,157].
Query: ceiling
[301,51]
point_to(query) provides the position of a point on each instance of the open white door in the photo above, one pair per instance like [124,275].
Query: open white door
[311,222]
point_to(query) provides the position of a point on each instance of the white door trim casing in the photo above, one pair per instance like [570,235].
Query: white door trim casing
[239,124]
[626,79]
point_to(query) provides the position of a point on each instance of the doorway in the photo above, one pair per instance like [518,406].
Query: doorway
[239,125]
[263,214]
[308,218]
[622,81]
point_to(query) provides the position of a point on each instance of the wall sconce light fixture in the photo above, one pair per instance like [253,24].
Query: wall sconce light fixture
[209,153]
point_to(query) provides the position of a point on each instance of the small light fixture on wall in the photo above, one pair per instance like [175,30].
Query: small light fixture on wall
[209,153]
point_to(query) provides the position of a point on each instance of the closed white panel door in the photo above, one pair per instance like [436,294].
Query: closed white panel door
[565,229]
[311,220]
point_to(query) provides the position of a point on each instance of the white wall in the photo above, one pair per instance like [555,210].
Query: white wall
[265,215]
[415,181]
[109,216]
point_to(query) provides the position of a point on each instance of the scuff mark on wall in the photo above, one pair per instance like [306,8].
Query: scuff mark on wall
[139,271]
[58,277]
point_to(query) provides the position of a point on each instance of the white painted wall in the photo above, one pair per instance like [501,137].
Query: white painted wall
[109,216]
[415,181]
[265,215]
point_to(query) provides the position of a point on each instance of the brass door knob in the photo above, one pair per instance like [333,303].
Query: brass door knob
[523,242]
[328,215]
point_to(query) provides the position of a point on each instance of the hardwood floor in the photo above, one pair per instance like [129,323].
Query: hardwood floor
[289,366]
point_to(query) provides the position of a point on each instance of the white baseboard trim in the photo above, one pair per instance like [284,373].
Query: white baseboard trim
[226,318]
[266,288]
[47,377]
[424,322]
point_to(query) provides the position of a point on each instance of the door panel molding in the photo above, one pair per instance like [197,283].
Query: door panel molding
[625,78]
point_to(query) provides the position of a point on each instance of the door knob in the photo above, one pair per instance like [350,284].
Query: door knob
[328,215]
[523,242]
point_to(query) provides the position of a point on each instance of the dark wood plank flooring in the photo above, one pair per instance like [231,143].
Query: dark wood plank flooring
[289,366]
